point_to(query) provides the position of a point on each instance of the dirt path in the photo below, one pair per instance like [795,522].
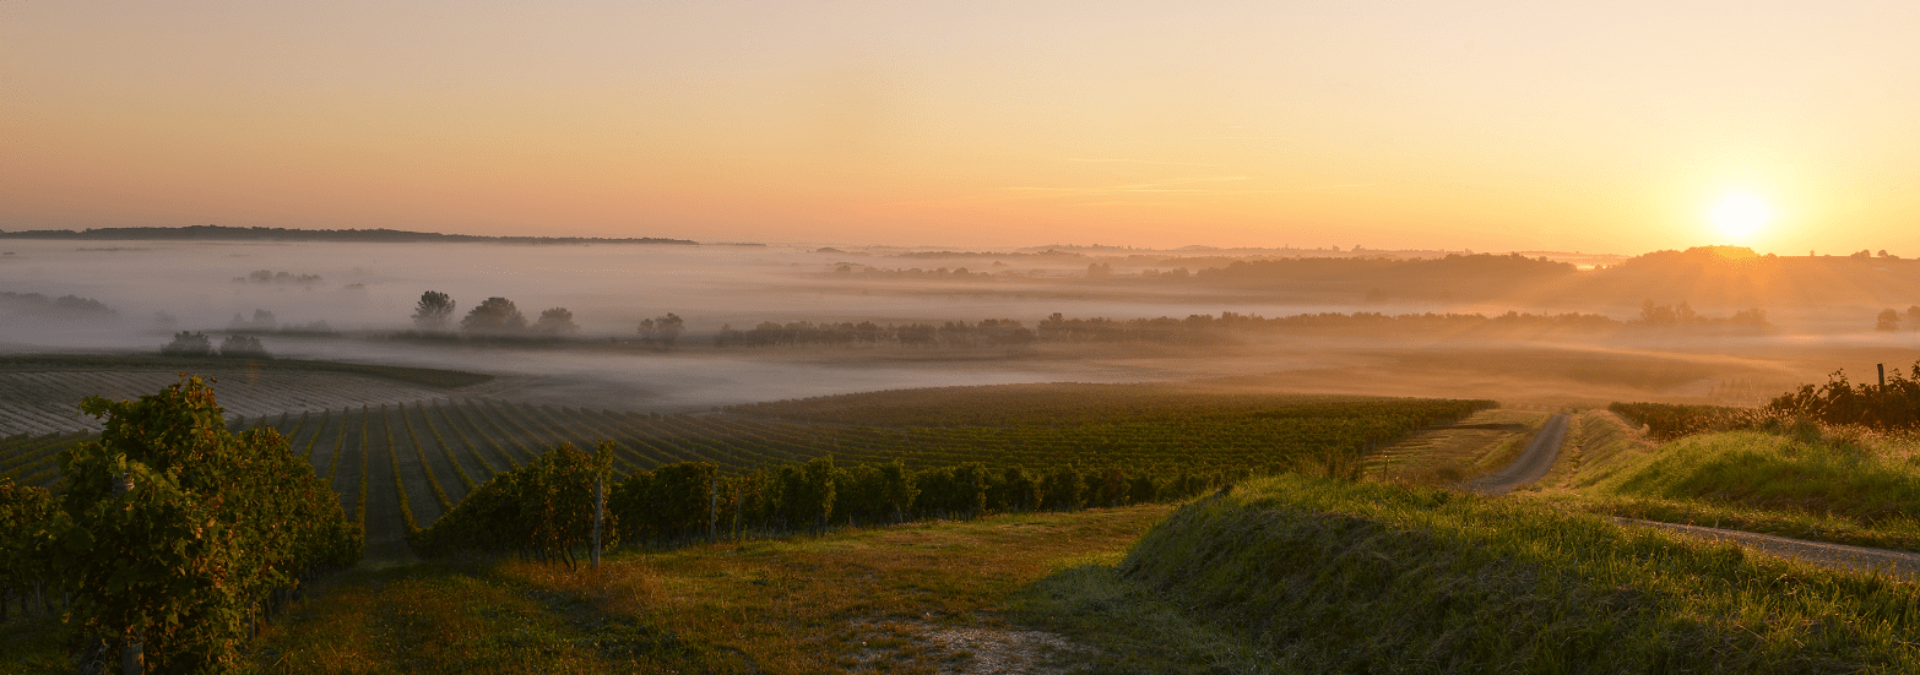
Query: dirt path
[1900,564]
[1532,465]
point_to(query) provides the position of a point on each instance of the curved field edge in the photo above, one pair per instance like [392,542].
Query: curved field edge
[1310,575]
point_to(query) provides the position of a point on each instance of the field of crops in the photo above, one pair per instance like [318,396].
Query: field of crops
[47,401]
[400,465]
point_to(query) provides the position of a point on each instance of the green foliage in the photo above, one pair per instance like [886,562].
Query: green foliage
[1894,405]
[28,521]
[544,509]
[1839,402]
[180,531]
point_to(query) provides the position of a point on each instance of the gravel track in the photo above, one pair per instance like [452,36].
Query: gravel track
[1900,564]
[1532,465]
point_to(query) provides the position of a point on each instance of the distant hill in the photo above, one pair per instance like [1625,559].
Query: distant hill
[1737,277]
[222,233]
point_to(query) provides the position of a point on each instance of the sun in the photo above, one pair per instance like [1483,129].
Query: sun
[1739,215]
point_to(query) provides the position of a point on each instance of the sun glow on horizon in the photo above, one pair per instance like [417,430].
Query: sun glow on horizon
[1739,215]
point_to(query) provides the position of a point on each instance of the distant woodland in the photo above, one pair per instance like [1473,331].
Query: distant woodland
[1716,276]
[222,233]
[63,307]
[1203,329]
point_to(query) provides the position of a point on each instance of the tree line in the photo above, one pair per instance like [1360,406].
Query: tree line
[498,318]
[1204,328]
[546,509]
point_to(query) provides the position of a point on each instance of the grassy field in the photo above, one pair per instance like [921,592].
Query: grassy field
[1319,576]
[921,597]
[1835,485]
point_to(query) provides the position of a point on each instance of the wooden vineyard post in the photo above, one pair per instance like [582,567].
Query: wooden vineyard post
[602,463]
[713,506]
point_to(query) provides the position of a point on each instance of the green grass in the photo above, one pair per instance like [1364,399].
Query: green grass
[1317,576]
[826,604]
[1843,487]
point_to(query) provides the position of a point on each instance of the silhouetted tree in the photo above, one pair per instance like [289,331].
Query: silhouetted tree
[1889,320]
[662,331]
[242,346]
[262,320]
[556,322]
[1913,317]
[496,316]
[188,343]
[434,311]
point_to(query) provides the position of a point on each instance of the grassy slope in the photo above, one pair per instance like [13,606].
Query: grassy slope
[1834,487]
[1327,577]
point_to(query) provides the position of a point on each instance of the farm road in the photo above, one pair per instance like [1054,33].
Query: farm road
[1900,564]
[1532,465]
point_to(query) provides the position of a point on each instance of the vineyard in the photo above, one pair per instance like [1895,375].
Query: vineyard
[44,401]
[399,466]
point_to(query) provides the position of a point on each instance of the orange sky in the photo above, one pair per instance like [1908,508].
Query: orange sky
[1493,126]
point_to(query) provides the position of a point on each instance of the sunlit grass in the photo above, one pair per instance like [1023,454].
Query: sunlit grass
[851,599]
[1328,577]
[1843,485]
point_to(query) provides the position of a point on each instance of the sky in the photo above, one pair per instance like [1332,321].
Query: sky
[1617,126]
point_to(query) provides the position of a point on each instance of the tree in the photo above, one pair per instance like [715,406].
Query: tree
[188,343]
[434,311]
[1913,317]
[662,331]
[242,346]
[496,316]
[1889,320]
[177,531]
[556,322]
